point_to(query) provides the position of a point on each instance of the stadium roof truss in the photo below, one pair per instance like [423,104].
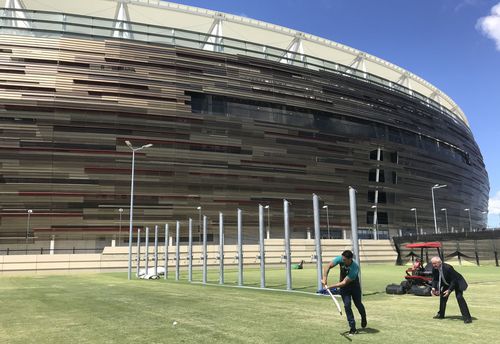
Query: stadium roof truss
[129,19]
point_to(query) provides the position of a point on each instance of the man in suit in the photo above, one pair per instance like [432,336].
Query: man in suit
[444,281]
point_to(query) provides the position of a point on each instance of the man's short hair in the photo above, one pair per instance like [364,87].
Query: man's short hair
[348,254]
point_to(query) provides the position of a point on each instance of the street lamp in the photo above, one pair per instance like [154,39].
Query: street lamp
[416,219]
[470,222]
[28,225]
[199,222]
[120,230]
[132,203]
[446,217]
[375,222]
[327,220]
[268,207]
[437,186]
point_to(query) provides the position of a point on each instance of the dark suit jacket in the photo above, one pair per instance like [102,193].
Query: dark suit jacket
[454,279]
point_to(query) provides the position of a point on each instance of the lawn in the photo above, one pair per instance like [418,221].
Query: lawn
[107,308]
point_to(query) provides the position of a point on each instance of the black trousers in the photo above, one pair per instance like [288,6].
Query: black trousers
[461,303]
[352,293]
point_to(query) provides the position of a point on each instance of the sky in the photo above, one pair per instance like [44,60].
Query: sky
[453,44]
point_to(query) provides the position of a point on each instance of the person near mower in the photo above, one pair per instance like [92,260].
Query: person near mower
[350,287]
[444,281]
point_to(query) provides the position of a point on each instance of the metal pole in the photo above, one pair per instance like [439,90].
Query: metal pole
[129,272]
[268,234]
[446,219]
[138,252]
[375,222]
[434,211]
[165,275]
[177,254]
[261,248]
[199,224]
[120,227]
[416,220]
[221,248]
[146,255]
[28,227]
[240,250]
[156,251]
[287,246]
[190,251]
[317,240]
[131,218]
[205,256]
[470,223]
[327,221]
[354,225]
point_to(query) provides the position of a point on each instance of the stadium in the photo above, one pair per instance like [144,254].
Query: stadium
[239,113]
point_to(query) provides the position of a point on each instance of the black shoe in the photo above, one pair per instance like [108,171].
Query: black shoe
[467,321]
[438,316]
[363,322]
[353,331]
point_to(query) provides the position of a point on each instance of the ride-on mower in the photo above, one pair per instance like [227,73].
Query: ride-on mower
[418,279]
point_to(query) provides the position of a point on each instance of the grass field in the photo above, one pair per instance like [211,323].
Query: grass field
[107,308]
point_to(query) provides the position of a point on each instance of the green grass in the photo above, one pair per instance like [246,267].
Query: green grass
[106,308]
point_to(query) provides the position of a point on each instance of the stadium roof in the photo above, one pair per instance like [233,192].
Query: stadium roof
[295,46]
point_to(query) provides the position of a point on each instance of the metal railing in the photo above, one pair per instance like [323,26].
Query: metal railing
[49,24]
[43,251]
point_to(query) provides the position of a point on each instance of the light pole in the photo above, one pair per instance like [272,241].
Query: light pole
[199,222]
[416,219]
[120,228]
[470,222]
[132,203]
[28,226]
[327,220]
[437,186]
[446,217]
[375,222]
[268,234]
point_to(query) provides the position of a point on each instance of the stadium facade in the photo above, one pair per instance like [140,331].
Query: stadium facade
[239,112]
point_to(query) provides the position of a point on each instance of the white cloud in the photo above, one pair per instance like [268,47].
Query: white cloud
[464,3]
[494,204]
[490,25]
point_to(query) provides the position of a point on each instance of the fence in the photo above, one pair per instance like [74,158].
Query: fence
[471,247]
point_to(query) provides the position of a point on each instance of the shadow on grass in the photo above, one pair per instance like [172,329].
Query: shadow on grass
[457,317]
[367,330]
[374,293]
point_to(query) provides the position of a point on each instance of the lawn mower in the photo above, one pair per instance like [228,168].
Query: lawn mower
[418,278]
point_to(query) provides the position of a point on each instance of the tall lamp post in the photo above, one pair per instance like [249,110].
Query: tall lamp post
[327,220]
[416,219]
[470,222]
[120,227]
[199,223]
[28,225]
[268,234]
[445,217]
[437,186]
[132,204]
[375,222]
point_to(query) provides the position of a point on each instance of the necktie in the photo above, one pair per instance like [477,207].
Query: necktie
[440,277]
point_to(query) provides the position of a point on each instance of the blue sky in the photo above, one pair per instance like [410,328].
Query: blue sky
[443,41]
